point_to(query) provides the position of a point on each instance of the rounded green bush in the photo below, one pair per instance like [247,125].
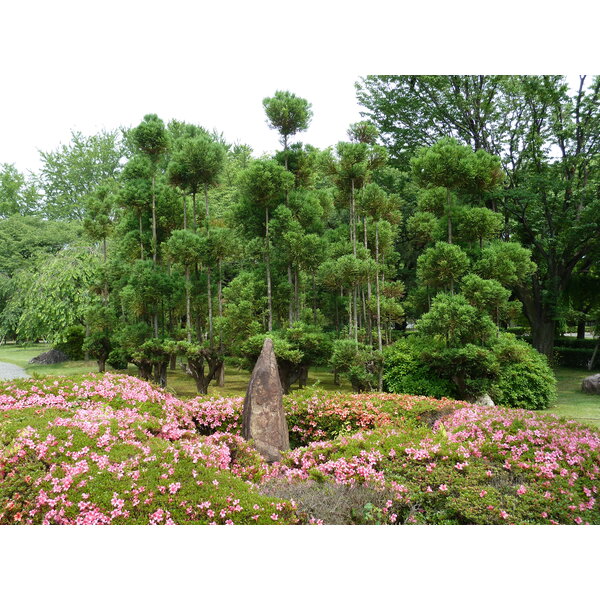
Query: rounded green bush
[525,379]
[404,372]
[72,345]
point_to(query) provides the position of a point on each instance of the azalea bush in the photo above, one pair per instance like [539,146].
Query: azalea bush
[113,449]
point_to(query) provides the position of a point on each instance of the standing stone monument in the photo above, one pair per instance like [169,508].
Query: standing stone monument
[263,418]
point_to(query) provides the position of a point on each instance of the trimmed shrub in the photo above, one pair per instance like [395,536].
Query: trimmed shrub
[525,380]
[118,358]
[404,372]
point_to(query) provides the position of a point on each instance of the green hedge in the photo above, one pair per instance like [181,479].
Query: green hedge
[572,357]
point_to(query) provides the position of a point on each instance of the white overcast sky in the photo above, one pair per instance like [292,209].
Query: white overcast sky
[90,66]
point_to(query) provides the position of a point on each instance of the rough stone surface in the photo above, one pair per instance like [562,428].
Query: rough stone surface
[49,358]
[264,418]
[591,384]
[485,400]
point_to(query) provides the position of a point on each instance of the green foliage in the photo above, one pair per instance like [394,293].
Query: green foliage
[358,362]
[264,182]
[453,322]
[72,345]
[287,113]
[405,372]
[58,297]
[441,266]
[507,262]
[72,172]
[150,137]
[525,379]
[18,195]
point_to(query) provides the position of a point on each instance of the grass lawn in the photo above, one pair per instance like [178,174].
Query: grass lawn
[572,402]
[178,383]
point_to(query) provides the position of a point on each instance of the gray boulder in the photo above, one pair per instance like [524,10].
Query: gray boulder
[484,400]
[591,384]
[263,419]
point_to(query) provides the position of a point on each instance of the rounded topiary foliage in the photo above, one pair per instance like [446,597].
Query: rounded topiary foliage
[525,379]
[404,372]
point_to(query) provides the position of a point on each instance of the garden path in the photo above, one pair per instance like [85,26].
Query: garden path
[9,371]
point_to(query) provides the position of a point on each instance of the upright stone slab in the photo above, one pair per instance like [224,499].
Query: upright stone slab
[264,419]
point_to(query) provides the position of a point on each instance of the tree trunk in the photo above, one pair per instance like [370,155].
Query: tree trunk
[291,304]
[355,310]
[592,360]
[543,336]
[581,329]
[188,304]
[154,238]
[210,311]
[296,295]
[194,220]
[303,377]
[220,288]
[449,216]
[379,340]
[268,261]
[221,376]
[173,362]
[314,299]
[101,365]
[184,211]
[141,236]
[352,217]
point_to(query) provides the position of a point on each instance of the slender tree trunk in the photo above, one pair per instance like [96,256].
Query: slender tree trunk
[210,311]
[188,304]
[221,376]
[207,209]
[352,217]
[355,309]
[291,304]
[377,292]
[268,261]
[337,315]
[449,216]
[185,211]
[296,294]
[154,237]
[194,219]
[155,323]
[220,288]
[141,236]
[581,329]
[592,360]
[314,299]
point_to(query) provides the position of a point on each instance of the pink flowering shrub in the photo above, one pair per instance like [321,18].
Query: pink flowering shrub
[111,449]
[115,450]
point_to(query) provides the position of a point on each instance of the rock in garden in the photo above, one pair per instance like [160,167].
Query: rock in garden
[264,418]
[49,358]
[484,400]
[591,384]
